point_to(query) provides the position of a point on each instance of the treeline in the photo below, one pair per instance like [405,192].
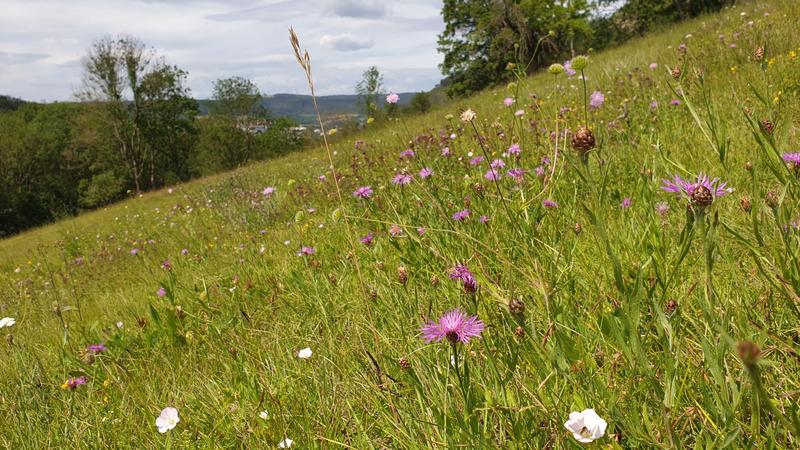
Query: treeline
[491,41]
[135,128]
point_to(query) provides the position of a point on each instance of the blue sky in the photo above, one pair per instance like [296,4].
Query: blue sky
[42,42]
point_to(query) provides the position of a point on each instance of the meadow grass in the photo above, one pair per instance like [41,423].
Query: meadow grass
[675,321]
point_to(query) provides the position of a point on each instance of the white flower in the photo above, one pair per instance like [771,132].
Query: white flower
[263,414]
[586,426]
[468,115]
[7,322]
[304,353]
[120,325]
[167,420]
[286,443]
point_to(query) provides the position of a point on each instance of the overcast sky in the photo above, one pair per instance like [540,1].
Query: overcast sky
[42,42]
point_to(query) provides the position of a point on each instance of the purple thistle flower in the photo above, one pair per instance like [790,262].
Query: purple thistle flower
[514,150]
[675,102]
[425,172]
[460,272]
[653,104]
[446,151]
[96,348]
[166,265]
[550,204]
[792,158]
[73,383]
[421,231]
[685,188]
[516,174]
[484,219]
[492,175]
[367,240]
[306,251]
[626,203]
[161,292]
[597,99]
[363,192]
[185,251]
[407,153]
[395,230]
[476,160]
[461,215]
[402,179]
[662,208]
[497,164]
[539,171]
[455,326]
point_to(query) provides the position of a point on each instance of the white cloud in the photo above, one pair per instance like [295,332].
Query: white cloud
[346,42]
[43,41]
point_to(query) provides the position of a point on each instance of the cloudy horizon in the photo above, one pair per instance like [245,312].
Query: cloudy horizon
[43,42]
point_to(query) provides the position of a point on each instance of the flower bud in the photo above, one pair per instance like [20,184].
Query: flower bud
[749,352]
[516,306]
[580,62]
[556,69]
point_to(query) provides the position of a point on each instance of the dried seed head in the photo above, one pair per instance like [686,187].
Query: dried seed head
[404,363]
[746,204]
[478,188]
[767,126]
[516,306]
[749,352]
[179,312]
[671,307]
[333,279]
[676,72]
[758,55]
[519,332]
[402,275]
[577,228]
[373,294]
[748,166]
[434,280]
[771,199]
[583,140]
[702,197]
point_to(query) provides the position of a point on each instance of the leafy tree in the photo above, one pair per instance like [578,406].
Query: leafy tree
[236,97]
[370,89]
[420,103]
[141,99]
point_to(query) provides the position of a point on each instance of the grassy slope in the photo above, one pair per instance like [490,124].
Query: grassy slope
[221,346]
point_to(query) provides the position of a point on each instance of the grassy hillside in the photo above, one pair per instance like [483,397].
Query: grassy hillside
[674,317]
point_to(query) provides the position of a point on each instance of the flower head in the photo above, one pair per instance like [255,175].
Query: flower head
[96,348]
[401,179]
[161,292]
[514,150]
[476,160]
[425,172]
[468,115]
[492,175]
[407,153]
[586,426]
[7,322]
[367,240]
[508,101]
[626,203]
[597,99]
[268,191]
[73,383]
[286,443]
[167,420]
[305,353]
[455,326]
[306,251]
[462,215]
[392,98]
[549,204]
[460,272]
[792,158]
[701,192]
[363,192]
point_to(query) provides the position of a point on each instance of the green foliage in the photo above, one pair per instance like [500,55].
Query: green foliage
[236,97]
[370,89]
[420,103]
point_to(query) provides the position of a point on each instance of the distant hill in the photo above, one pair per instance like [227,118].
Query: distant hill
[301,107]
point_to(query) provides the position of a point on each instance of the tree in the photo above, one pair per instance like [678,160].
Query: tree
[370,89]
[482,37]
[142,100]
[236,97]
[420,103]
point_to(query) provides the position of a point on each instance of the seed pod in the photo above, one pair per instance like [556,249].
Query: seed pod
[404,363]
[676,72]
[746,204]
[402,275]
[771,199]
[748,166]
[702,197]
[478,188]
[758,55]
[519,332]
[671,307]
[577,228]
[434,280]
[767,126]
[516,306]
[583,140]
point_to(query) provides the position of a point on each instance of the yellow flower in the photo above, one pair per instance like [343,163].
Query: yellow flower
[792,54]
[733,69]
[370,120]
[771,62]
[332,131]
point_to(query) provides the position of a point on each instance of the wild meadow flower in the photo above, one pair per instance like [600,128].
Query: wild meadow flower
[701,192]
[492,175]
[514,150]
[264,415]
[653,66]
[305,353]
[539,171]
[446,151]
[425,172]
[662,209]
[556,69]
[134,251]
[484,219]
[161,292]
[675,102]
[519,112]
[497,164]
[286,443]
[549,204]
[476,160]
[392,98]
[468,115]
[460,272]
[401,179]
[395,230]
[626,203]
[7,322]
[508,101]
[407,153]
[166,264]
[367,240]
[268,191]
[167,420]
[96,348]
[421,230]
[185,251]
[306,251]
[462,215]
[568,68]
[792,158]
[363,192]
[73,383]
[516,174]
[597,99]
[455,326]
[653,104]
[586,426]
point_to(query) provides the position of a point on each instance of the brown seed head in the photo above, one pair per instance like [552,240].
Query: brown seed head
[746,204]
[402,275]
[676,72]
[749,352]
[758,55]
[516,306]
[771,199]
[767,126]
[583,140]
[671,307]
[404,363]
[702,197]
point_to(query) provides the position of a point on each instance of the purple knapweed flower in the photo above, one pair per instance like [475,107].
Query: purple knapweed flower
[446,151]
[519,112]
[425,172]
[161,292]
[492,175]
[367,240]
[653,66]
[462,215]
[497,164]
[395,230]
[516,174]
[476,160]
[73,383]
[166,265]
[675,102]
[421,230]
[654,105]
[460,272]
[550,204]
[514,150]
[508,101]
[626,203]
[407,153]
[134,251]
[363,192]
[306,251]
[539,171]
[597,99]
[662,208]
[96,348]
[184,251]
[792,158]
[268,191]
[684,188]
[484,219]
[359,144]
[455,326]
[401,179]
